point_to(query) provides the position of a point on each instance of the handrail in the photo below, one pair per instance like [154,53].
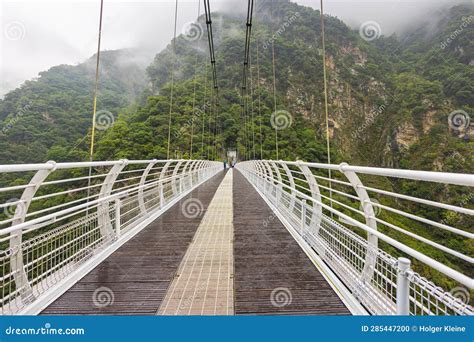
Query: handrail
[380,282]
[429,176]
[50,166]
[456,275]
[118,195]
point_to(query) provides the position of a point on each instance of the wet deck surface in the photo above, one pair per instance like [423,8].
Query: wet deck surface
[134,279]
[272,274]
[266,271]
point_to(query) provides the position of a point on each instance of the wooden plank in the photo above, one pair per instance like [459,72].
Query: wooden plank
[134,279]
[272,274]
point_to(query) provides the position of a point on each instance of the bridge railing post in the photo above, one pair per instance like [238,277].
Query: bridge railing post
[103,208]
[270,184]
[141,200]
[174,176]
[196,174]
[163,172]
[368,209]
[182,177]
[258,175]
[291,181]
[279,186]
[403,286]
[118,203]
[303,218]
[317,212]
[263,178]
[16,238]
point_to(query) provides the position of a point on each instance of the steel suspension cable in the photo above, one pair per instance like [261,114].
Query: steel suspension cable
[209,123]
[214,127]
[96,91]
[274,82]
[203,114]
[252,107]
[194,94]
[259,95]
[245,70]
[172,78]
[243,104]
[210,38]
[323,45]
[96,88]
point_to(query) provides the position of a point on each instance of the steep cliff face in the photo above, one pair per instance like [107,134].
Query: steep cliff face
[385,96]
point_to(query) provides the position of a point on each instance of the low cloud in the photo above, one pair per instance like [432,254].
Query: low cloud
[65,31]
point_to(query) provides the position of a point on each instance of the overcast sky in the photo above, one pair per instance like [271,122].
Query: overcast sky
[38,34]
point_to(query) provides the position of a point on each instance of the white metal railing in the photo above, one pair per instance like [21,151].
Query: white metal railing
[370,241]
[56,216]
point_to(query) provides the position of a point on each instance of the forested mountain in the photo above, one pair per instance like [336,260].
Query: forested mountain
[389,98]
[49,117]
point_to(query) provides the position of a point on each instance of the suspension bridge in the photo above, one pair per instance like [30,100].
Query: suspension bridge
[191,237]
[187,237]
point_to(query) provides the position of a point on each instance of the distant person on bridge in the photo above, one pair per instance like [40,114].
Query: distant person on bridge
[225,164]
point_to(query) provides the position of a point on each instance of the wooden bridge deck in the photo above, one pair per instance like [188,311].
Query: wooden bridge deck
[271,274]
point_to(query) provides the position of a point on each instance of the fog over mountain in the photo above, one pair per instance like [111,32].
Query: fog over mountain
[37,35]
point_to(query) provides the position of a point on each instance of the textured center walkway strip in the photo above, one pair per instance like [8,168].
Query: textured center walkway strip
[203,284]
